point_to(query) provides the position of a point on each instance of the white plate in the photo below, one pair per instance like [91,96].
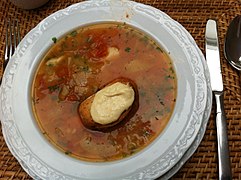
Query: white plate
[40,159]
[191,150]
[200,134]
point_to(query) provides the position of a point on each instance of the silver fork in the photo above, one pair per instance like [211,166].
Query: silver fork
[12,39]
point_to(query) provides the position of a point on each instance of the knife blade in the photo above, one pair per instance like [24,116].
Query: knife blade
[214,66]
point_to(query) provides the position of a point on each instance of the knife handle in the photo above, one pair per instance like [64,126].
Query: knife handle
[222,137]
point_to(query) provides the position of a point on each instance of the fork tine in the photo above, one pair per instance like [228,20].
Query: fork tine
[12,39]
[16,34]
[6,55]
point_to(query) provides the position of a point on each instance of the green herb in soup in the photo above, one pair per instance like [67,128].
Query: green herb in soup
[83,61]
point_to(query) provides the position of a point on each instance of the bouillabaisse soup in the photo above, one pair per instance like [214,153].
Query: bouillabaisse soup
[81,62]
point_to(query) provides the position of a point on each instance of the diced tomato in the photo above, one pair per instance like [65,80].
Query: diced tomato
[100,50]
[62,71]
[72,97]
[96,48]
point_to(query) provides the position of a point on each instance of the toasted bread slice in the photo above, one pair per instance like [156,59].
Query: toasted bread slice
[85,106]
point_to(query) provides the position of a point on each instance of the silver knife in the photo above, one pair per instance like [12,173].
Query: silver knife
[213,62]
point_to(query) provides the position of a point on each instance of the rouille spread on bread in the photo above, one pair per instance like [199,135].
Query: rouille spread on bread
[110,105]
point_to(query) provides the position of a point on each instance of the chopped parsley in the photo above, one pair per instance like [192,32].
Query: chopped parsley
[68,152]
[54,39]
[53,88]
[171,69]
[146,133]
[85,69]
[73,33]
[159,49]
[89,39]
[128,49]
[169,77]
[35,100]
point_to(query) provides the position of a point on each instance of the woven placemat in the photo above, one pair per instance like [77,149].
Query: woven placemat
[193,15]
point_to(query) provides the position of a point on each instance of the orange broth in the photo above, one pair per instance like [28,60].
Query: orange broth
[76,66]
